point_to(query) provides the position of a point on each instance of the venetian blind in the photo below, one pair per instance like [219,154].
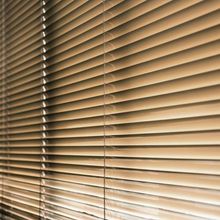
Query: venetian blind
[110,109]
[162,121]
[21,108]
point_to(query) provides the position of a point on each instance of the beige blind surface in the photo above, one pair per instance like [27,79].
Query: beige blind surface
[110,109]
[74,180]
[21,118]
[162,111]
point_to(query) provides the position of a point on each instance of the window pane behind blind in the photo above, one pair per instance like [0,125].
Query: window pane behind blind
[110,109]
